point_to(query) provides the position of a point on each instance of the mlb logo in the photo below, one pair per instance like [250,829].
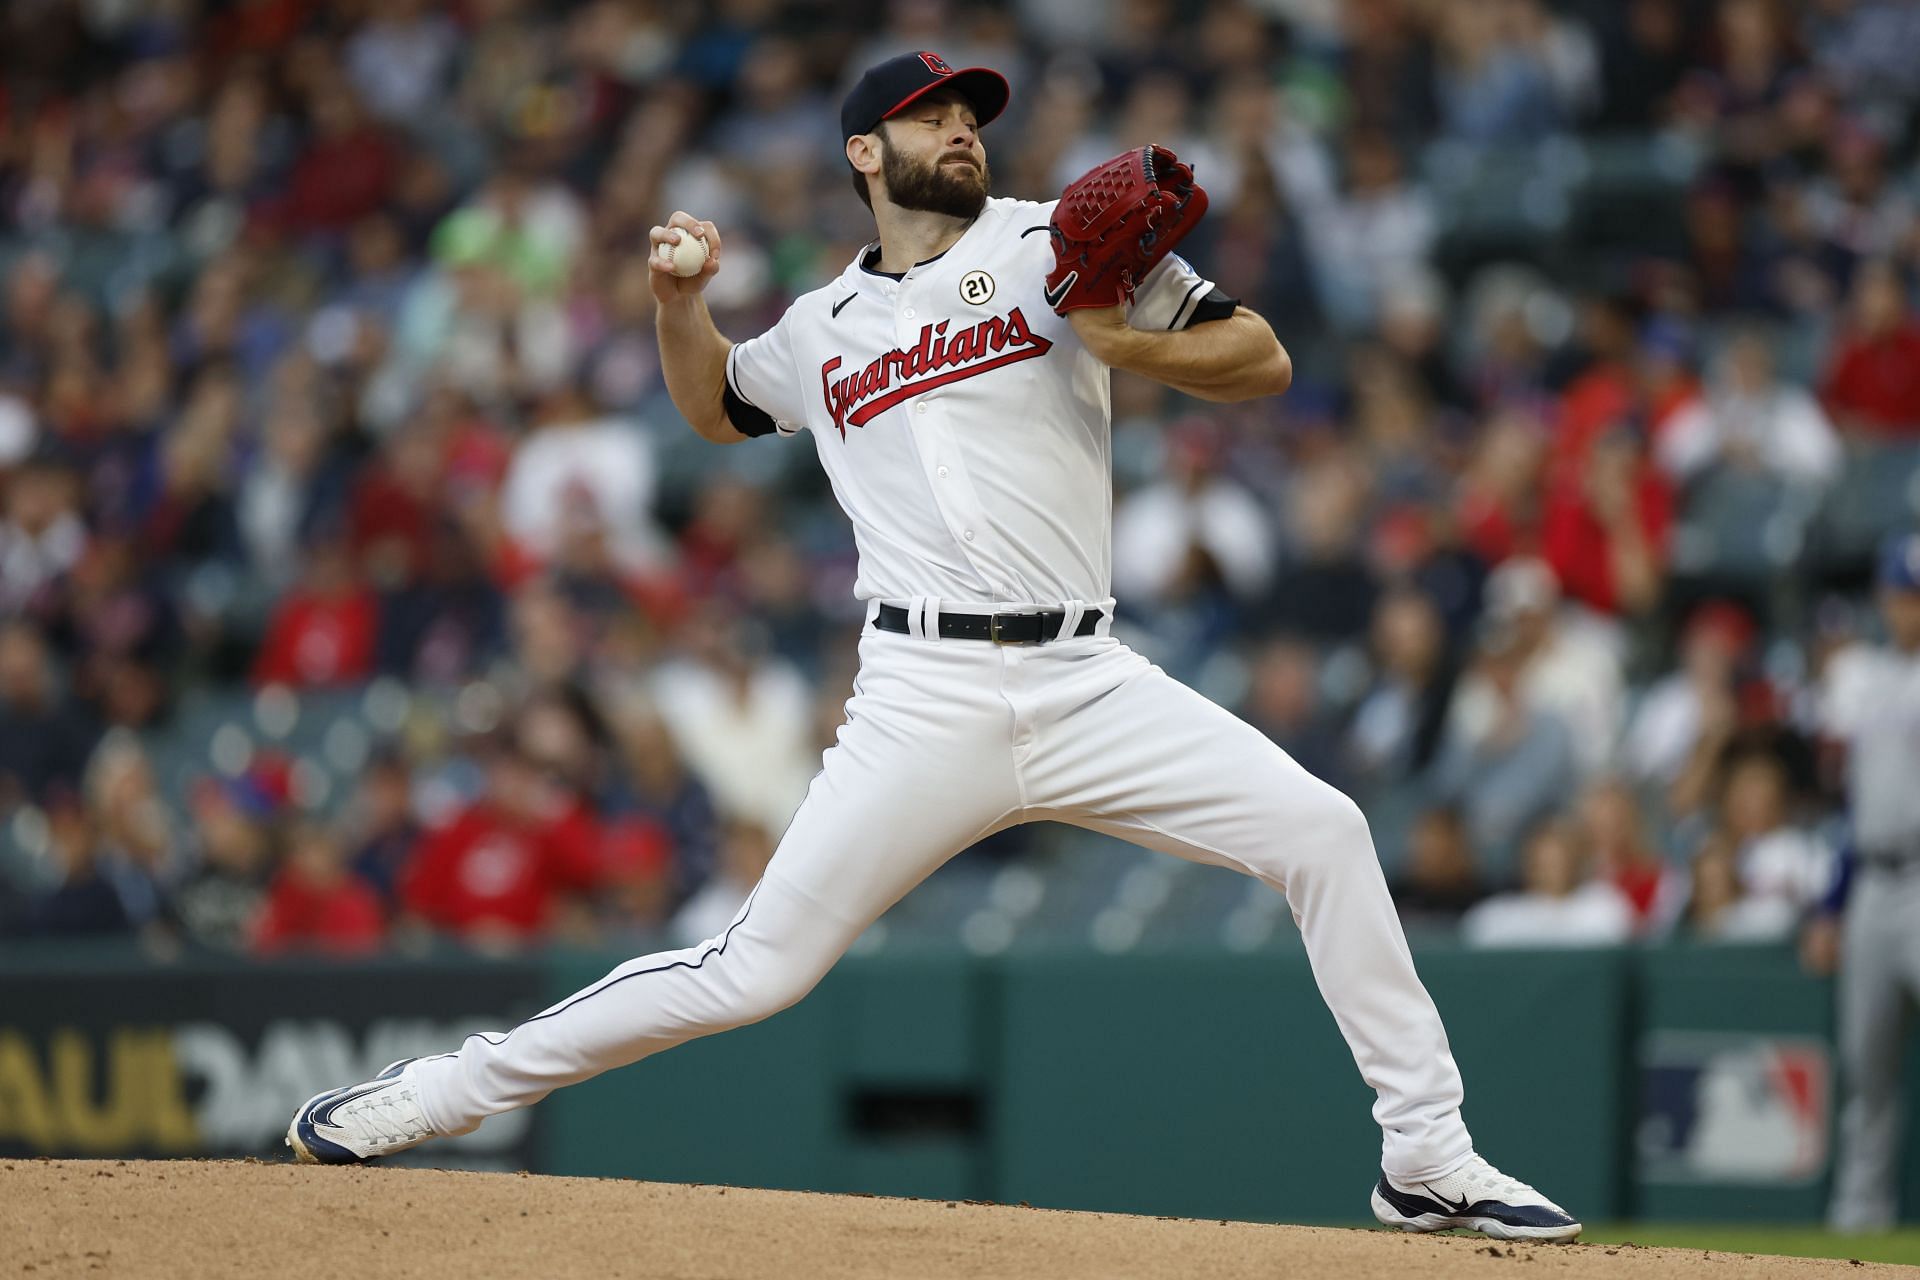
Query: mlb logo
[1733,1108]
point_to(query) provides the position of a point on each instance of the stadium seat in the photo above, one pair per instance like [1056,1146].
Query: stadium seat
[1878,493]
[1498,203]
[1741,528]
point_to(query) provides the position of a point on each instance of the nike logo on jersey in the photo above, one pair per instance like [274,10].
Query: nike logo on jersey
[840,306]
[937,359]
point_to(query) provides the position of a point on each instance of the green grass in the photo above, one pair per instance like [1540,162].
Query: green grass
[1902,1245]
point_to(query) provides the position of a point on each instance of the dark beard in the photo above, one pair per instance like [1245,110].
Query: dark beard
[957,191]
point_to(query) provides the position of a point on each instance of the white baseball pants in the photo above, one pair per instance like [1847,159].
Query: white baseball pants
[947,741]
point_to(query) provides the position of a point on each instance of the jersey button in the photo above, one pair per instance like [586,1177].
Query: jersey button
[969,535]
[908,313]
[920,408]
[943,473]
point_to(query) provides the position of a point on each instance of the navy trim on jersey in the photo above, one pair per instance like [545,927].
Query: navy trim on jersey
[1215,306]
[874,252]
[747,418]
[1185,301]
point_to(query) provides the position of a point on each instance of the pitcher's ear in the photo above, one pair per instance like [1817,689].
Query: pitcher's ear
[863,152]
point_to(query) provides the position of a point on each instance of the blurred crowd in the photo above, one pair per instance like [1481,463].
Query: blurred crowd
[326,360]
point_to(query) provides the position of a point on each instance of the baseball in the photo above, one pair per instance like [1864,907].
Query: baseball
[687,255]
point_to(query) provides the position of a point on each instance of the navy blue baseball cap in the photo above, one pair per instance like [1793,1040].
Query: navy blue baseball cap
[1900,562]
[890,87]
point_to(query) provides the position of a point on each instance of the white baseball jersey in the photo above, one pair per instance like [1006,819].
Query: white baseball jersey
[965,430]
[964,427]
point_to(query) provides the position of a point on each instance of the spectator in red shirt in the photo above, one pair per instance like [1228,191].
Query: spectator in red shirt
[500,872]
[315,903]
[430,467]
[1604,530]
[1644,377]
[396,506]
[1611,821]
[347,171]
[1498,497]
[1872,384]
[1605,390]
[323,631]
[637,854]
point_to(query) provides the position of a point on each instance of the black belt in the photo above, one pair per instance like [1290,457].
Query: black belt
[1001,628]
[1898,861]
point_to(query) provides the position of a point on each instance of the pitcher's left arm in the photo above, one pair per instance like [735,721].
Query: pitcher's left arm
[1233,358]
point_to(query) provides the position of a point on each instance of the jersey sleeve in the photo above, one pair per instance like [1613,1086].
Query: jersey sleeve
[762,394]
[1175,296]
[1846,693]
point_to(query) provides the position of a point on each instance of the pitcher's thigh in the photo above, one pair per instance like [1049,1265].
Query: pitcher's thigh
[1159,764]
[886,809]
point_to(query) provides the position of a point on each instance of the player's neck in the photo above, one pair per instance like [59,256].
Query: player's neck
[911,236]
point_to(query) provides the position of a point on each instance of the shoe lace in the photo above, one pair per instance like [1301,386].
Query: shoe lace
[388,1117]
[1501,1185]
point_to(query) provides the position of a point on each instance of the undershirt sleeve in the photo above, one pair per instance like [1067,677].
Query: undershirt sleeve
[1175,296]
[762,394]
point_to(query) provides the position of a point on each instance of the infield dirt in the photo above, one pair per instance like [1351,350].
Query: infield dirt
[220,1219]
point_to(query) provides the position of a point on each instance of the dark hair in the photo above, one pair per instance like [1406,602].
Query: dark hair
[1786,749]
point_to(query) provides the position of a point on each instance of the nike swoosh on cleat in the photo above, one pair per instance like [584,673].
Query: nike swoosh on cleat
[1451,1206]
[1414,1206]
[323,1113]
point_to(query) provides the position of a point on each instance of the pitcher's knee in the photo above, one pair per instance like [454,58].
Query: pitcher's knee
[1331,829]
[762,990]
[1313,831]
[789,989]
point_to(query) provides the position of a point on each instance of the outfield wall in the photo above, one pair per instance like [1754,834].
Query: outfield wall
[1678,1083]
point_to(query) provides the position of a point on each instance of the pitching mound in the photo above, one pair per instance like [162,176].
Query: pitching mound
[212,1220]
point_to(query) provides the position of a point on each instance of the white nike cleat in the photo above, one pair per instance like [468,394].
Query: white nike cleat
[361,1122]
[1476,1197]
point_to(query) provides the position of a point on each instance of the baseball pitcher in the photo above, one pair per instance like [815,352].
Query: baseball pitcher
[954,380]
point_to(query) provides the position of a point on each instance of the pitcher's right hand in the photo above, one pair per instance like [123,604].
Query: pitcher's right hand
[668,287]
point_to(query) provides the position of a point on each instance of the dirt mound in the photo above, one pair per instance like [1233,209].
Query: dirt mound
[212,1220]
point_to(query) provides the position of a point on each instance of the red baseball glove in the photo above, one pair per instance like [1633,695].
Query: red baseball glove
[1114,223]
